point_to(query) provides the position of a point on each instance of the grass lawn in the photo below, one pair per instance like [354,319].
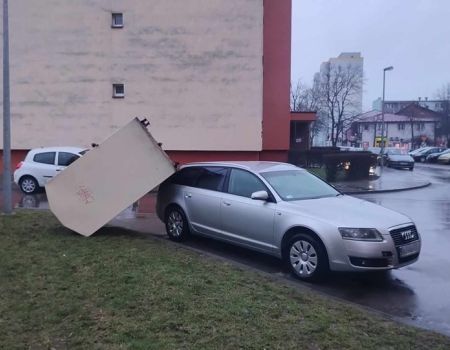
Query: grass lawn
[120,290]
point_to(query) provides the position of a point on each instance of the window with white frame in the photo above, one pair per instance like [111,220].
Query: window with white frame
[117,20]
[118,90]
[401,126]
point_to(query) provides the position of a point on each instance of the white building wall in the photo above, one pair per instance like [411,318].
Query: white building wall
[192,67]
[393,131]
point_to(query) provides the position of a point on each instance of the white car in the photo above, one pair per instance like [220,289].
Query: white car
[42,164]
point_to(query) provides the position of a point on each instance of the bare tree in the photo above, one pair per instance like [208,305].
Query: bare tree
[443,94]
[307,99]
[340,90]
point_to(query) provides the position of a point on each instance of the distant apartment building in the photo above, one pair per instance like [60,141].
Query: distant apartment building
[212,77]
[346,60]
[395,106]
[410,127]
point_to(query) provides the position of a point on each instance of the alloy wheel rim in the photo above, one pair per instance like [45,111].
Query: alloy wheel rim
[28,185]
[175,223]
[303,258]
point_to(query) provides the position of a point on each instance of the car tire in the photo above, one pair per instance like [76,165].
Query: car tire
[422,159]
[306,257]
[177,226]
[28,184]
[411,169]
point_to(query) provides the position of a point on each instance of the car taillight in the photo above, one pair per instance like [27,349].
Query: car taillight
[19,165]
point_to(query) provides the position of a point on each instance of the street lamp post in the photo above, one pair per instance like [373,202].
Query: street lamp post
[7,191]
[382,114]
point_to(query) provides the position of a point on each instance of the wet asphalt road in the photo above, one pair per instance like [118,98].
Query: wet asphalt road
[418,294]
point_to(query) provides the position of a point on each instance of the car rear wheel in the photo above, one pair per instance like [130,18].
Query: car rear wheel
[28,184]
[306,257]
[422,159]
[177,227]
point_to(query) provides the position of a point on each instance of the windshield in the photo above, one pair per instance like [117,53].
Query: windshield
[294,185]
[396,151]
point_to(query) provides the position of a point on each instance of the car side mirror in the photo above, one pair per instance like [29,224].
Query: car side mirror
[260,195]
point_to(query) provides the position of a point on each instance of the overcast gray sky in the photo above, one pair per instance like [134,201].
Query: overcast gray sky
[411,35]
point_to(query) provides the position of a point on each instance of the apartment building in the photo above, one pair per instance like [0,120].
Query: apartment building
[212,77]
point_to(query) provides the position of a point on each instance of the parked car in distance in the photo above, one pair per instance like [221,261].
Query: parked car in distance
[285,211]
[421,149]
[350,149]
[422,155]
[375,150]
[397,158]
[42,164]
[433,157]
[444,158]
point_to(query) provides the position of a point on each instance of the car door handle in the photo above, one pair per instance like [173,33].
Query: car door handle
[187,195]
[227,203]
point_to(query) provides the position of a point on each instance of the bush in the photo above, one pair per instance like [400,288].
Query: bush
[353,165]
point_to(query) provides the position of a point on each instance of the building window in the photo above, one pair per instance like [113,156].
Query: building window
[420,126]
[118,91]
[117,20]
[366,127]
[401,126]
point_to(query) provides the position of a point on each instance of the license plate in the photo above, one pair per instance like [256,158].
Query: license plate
[409,249]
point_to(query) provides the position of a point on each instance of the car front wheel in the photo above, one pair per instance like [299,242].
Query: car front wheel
[177,227]
[28,184]
[306,257]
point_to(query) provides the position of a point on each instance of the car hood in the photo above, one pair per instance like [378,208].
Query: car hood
[347,211]
[401,158]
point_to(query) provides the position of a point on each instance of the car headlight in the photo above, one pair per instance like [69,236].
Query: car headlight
[360,234]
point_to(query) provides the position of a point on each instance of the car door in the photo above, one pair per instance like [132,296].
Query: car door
[244,220]
[202,200]
[44,167]
[65,159]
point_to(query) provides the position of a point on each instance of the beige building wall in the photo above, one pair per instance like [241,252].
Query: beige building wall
[193,68]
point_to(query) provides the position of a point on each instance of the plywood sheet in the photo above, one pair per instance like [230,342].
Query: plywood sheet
[108,179]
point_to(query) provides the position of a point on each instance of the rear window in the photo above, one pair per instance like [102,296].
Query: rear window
[187,176]
[66,158]
[212,178]
[209,178]
[45,158]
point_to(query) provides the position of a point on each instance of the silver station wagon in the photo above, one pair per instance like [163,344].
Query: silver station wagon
[282,210]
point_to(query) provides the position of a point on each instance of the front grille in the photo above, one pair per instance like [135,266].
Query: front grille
[404,235]
[369,262]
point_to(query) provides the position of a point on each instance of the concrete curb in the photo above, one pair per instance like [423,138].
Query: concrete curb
[426,184]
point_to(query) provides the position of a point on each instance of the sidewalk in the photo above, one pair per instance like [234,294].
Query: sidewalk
[390,180]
